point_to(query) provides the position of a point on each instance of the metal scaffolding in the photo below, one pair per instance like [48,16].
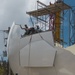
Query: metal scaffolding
[52,17]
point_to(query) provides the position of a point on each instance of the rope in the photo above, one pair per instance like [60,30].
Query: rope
[29,53]
[48,43]
[44,39]
[32,21]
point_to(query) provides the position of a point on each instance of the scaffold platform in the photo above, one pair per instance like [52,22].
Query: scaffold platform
[53,8]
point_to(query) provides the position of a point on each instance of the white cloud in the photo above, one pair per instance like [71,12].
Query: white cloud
[15,10]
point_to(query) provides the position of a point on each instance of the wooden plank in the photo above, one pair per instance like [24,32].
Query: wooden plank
[49,9]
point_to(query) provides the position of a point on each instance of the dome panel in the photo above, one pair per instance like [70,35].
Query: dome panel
[37,54]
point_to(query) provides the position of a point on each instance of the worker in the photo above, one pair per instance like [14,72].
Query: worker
[26,30]
[31,30]
[37,28]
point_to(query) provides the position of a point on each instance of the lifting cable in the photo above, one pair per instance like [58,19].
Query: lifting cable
[49,44]
[44,39]
[32,21]
[29,53]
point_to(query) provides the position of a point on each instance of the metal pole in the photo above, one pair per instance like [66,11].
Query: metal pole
[69,29]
